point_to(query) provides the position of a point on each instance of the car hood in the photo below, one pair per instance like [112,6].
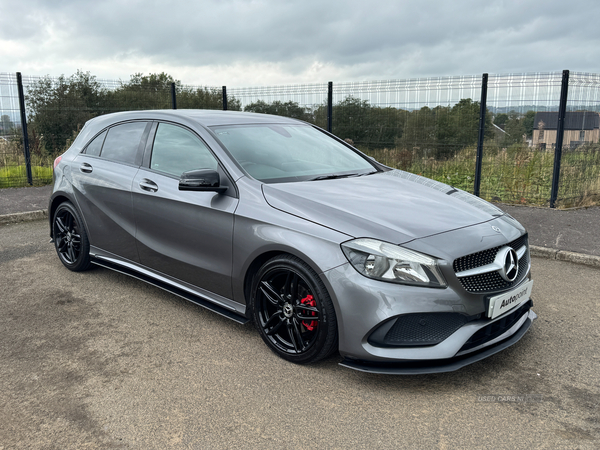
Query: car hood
[393,206]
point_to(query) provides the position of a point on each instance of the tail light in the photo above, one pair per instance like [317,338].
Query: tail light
[57,160]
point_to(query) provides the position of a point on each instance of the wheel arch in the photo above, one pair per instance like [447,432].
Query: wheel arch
[262,258]
[252,270]
[55,202]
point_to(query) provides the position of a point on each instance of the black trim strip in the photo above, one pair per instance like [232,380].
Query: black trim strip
[174,290]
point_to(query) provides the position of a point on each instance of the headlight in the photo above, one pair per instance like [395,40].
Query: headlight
[388,262]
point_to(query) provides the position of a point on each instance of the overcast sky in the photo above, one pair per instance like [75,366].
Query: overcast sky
[272,42]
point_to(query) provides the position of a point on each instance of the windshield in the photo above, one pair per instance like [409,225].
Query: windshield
[279,153]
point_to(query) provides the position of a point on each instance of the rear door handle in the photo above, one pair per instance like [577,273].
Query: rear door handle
[86,168]
[148,185]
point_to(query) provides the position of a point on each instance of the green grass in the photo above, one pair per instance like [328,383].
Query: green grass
[13,172]
[16,176]
[517,175]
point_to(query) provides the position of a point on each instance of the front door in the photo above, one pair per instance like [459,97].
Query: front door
[184,234]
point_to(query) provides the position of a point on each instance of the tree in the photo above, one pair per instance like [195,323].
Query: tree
[278,108]
[501,119]
[442,131]
[204,98]
[365,125]
[420,131]
[6,125]
[58,107]
[386,126]
[152,91]
[466,120]
[528,119]
[350,119]
[515,129]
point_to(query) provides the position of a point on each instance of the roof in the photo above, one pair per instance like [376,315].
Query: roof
[205,117]
[188,117]
[575,120]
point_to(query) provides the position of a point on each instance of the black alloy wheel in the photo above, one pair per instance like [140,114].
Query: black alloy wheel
[70,238]
[293,311]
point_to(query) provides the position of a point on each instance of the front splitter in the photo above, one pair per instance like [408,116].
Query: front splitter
[438,366]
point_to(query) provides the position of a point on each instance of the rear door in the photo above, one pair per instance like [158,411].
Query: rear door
[102,177]
[184,234]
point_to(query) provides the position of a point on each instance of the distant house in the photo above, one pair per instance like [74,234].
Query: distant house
[580,127]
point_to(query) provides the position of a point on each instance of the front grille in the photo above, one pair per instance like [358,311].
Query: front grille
[490,281]
[419,329]
[495,329]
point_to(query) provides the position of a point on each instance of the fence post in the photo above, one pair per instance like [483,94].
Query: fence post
[24,129]
[173,96]
[224,98]
[560,131]
[482,110]
[330,106]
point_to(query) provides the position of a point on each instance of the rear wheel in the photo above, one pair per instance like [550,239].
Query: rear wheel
[293,311]
[70,238]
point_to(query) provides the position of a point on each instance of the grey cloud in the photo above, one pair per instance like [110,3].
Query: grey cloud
[365,40]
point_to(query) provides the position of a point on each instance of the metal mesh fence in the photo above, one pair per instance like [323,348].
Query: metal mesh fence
[418,125]
[12,159]
[513,169]
[427,126]
[430,127]
[580,161]
[306,102]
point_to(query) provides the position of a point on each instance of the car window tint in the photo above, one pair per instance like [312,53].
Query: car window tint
[95,146]
[177,150]
[123,141]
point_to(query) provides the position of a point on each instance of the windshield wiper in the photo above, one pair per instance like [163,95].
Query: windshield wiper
[338,175]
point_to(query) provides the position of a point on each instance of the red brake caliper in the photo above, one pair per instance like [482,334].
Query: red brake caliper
[310,301]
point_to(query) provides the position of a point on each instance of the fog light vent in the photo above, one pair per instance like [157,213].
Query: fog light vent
[420,329]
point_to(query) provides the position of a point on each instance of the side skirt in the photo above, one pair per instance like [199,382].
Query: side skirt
[171,287]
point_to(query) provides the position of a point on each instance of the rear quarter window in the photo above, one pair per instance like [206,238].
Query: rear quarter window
[95,147]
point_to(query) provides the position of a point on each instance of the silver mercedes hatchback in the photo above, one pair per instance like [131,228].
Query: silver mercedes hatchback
[272,220]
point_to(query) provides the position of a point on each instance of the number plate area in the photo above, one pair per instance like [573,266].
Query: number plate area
[509,300]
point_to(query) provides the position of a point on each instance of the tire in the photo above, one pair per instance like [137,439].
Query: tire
[70,239]
[293,311]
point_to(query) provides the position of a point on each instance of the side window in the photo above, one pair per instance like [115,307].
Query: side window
[177,150]
[95,146]
[123,141]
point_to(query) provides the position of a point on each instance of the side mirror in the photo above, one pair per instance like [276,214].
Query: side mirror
[201,180]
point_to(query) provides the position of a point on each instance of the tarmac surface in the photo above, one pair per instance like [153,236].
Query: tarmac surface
[21,200]
[100,360]
[570,235]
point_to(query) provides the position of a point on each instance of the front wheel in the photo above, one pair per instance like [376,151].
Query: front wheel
[293,311]
[70,238]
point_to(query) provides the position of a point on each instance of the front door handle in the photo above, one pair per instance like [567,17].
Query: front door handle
[86,168]
[148,185]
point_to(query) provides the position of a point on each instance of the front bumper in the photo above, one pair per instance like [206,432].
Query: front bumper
[363,306]
[443,365]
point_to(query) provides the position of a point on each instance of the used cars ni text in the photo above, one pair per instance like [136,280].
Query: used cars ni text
[272,220]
